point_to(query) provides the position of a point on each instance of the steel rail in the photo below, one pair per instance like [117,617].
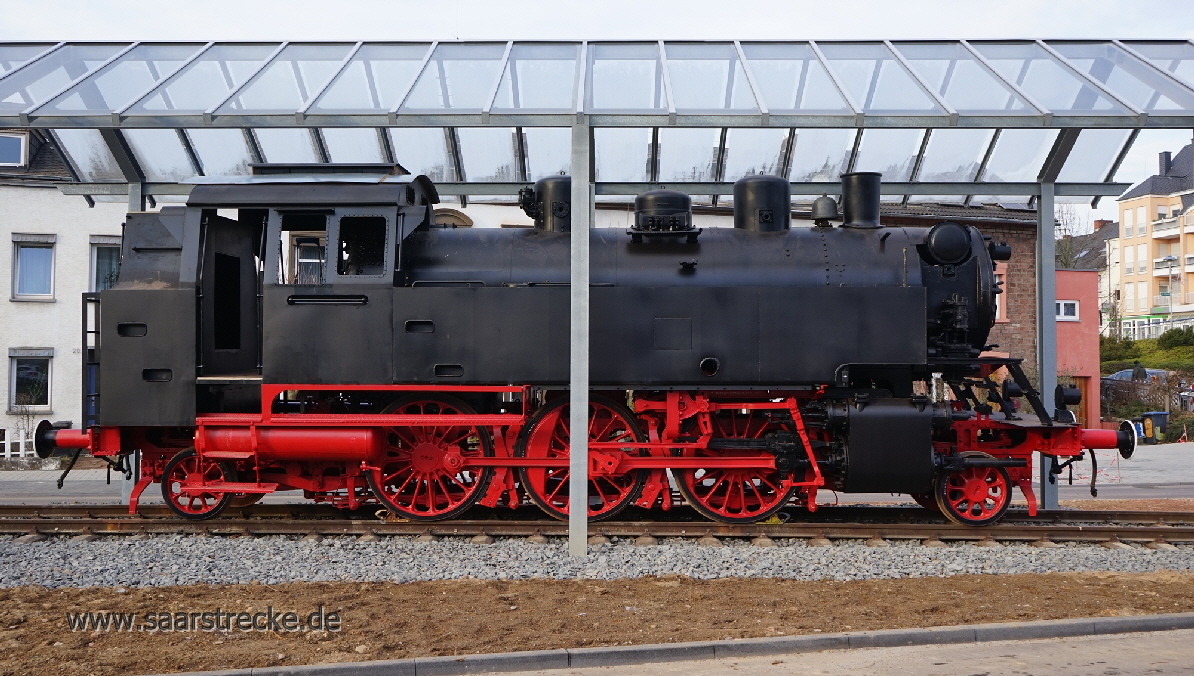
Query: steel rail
[868,514]
[626,529]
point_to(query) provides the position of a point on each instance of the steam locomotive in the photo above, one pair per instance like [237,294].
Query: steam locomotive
[283,333]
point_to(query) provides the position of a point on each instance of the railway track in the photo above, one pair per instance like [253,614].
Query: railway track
[846,523]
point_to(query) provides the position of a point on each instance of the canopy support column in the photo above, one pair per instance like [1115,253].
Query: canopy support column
[578,373]
[1046,322]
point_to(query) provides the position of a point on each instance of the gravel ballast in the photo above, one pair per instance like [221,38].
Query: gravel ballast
[186,560]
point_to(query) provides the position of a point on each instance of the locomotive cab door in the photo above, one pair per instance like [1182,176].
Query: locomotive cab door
[229,286]
[328,294]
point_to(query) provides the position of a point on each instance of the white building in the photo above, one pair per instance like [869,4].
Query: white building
[58,247]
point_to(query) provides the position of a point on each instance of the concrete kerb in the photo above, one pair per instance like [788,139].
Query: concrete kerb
[704,650]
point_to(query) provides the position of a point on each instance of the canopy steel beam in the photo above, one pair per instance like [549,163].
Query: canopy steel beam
[1142,60]
[722,188]
[392,115]
[859,116]
[127,162]
[160,84]
[1093,82]
[32,61]
[300,116]
[953,114]
[666,74]
[581,76]
[209,114]
[1046,115]
[1119,160]
[1057,156]
[497,83]
[1129,115]
[27,113]
[764,114]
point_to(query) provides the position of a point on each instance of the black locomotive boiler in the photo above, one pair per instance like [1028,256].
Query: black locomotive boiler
[327,336]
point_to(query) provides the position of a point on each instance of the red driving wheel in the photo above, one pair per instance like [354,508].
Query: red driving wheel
[734,495]
[978,496]
[547,436]
[422,476]
[186,471]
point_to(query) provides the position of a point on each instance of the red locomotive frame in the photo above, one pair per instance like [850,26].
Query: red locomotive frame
[435,456]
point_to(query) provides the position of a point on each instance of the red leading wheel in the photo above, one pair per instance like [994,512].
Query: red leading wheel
[547,436]
[978,496]
[183,474]
[734,495]
[422,476]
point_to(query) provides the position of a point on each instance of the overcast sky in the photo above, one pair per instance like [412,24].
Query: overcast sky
[594,19]
[615,19]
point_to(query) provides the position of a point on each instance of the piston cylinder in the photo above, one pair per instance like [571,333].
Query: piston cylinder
[350,444]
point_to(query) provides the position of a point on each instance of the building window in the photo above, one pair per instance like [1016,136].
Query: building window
[14,149]
[1067,310]
[1142,258]
[1129,260]
[33,267]
[1127,223]
[29,379]
[105,261]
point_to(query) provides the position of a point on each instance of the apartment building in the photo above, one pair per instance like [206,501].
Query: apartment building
[1153,271]
[58,247]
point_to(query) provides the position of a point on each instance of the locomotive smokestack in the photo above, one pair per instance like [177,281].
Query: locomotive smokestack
[762,204]
[860,199]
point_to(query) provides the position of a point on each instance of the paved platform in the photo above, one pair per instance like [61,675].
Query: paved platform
[1162,652]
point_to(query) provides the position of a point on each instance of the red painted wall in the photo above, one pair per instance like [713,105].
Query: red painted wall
[1078,342]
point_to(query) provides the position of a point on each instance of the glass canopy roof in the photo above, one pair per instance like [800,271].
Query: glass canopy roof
[933,112]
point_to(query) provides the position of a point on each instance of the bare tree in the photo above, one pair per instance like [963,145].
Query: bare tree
[1068,225]
[1114,317]
[25,409]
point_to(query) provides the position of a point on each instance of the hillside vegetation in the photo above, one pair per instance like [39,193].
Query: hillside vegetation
[1173,351]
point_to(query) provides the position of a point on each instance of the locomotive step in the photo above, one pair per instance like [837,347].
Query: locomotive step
[231,487]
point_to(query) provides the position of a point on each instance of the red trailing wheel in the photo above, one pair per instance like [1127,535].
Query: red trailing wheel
[978,496]
[422,477]
[185,471]
[734,495]
[547,436]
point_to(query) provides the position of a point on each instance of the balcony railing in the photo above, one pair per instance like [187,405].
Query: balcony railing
[1166,226]
[1163,265]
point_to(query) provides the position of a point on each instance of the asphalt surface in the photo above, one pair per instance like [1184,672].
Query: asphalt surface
[1163,471]
[1163,652]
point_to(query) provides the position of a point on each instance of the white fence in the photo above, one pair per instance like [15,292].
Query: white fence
[16,444]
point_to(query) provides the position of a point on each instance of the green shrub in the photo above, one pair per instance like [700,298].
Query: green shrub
[1176,338]
[1120,349]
